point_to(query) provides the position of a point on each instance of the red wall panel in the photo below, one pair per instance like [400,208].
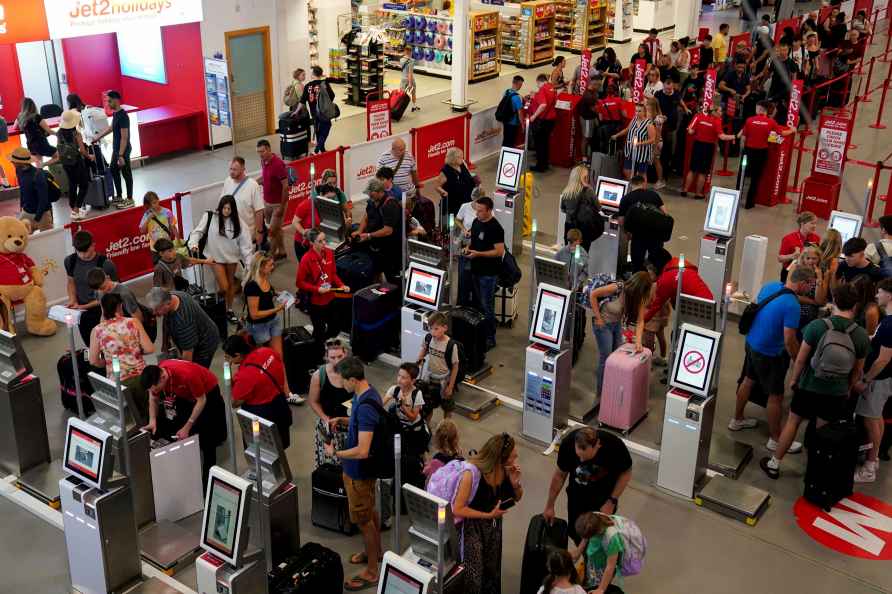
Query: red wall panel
[92,66]
[11,92]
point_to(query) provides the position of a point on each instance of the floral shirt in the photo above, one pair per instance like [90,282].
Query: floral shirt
[120,338]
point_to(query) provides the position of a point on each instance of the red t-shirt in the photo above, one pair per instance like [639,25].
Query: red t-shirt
[274,175]
[707,128]
[667,286]
[757,128]
[251,385]
[546,96]
[302,212]
[15,269]
[610,109]
[794,240]
[188,380]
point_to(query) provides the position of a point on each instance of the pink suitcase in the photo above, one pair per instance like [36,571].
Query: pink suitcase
[626,387]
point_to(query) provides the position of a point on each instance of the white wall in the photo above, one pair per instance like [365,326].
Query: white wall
[327,12]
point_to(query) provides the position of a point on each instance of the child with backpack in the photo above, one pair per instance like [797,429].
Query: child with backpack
[613,547]
[444,360]
[562,577]
[446,448]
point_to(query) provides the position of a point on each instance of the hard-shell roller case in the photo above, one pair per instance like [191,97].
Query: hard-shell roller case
[542,538]
[832,460]
[330,508]
[467,326]
[294,134]
[626,387]
[302,356]
[214,305]
[376,320]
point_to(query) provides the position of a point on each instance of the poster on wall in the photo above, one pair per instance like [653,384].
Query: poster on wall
[76,18]
[216,87]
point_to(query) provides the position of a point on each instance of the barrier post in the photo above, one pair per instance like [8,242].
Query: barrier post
[795,187]
[852,145]
[865,98]
[871,196]
[885,57]
[878,125]
[468,162]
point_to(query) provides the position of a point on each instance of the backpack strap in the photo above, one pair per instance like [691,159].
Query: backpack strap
[267,374]
[851,328]
[880,249]
[450,349]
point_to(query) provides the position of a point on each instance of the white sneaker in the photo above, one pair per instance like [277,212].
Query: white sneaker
[296,399]
[795,447]
[659,185]
[735,425]
[866,473]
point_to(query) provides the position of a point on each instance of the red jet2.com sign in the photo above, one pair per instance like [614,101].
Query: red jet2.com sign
[858,526]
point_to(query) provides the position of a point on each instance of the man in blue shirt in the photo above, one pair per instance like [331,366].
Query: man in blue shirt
[510,129]
[359,476]
[33,191]
[770,345]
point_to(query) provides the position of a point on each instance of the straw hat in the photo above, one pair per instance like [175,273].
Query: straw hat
[21,156]
[70,119]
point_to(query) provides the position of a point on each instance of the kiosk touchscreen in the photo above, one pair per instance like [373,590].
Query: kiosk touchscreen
[507,209]
[695,360]
[550,315]
[510,168]
[402,576]
[423,293]
[721,214]
[425,286]
[225,519]
[610,191]
[848,225]
[717,243]
[608,253]
[88,453]
[331,219]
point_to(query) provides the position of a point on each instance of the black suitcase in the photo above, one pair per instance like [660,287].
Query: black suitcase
[302,357]
[355,269]
[214,305]
[467,326]
[341,312]
[396,113]
[330,508]
[542,538]
[832,459]
[97,196]
[67,387]
[376,320]
[314,569]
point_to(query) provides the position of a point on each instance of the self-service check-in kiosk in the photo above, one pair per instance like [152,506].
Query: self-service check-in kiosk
[424,287]
[508,204]
[608,253]
[97,513]
[718,242]
[848,224]
[549,365]
[331,220]
[281,535]
[228,565]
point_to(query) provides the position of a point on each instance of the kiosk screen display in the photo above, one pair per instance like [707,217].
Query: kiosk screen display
[722,212]
[549,322]
[223,517]
[398,582]
[84,455]
[611,191]
[848,225]
[510,161]
[424,286]
[692,370]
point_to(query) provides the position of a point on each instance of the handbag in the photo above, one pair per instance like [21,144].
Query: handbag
[325,106]
[510,274]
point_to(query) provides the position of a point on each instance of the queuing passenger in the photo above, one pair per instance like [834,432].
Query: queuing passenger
[735,87]
[875,388]
[328,188]
[652,82]
[158,222]
[666,267]
[856,263]
[512,126]
[782,69]
[260,384]
[831,249]
[541,121]
[641,136]
[80,296]
[867,312]
[318,276]
[707,131]
[481,511]
[102,284]
[755,134]
[326,397]
[121,148]
[879,252]
[385,176]
[861,23]
[815,295]
[405,401]
[556,78]
[562,577]
[455,182]
[681,58]
[485,251]
[190,395]
[402,164]
[359,474]
[671,103]
[822,378]
[771,344]
[34,198]
[445,445]
[36,130]
[73,155]
[572,251]
[125,339]
[310,97]
[219,237]
[644,244]
[263,306]
[653,44]
[641,54]
[601,554]
[580,205]
[720,43]
[275,182]
[248,198]
[186,324]
[168,273]
[610,68]
[442,364]
[381,228]
[599,467]
[792,244]
[465,218]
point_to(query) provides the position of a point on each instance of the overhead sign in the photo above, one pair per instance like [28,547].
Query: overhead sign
[22,21]
[74,18]
[858,526]
[833,137]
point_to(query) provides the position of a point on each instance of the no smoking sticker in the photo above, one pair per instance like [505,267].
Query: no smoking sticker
[508,170]
[694,362]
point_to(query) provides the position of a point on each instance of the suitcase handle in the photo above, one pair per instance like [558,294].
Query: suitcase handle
[622,394]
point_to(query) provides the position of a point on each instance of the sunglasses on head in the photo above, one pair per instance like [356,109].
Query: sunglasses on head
[333,342]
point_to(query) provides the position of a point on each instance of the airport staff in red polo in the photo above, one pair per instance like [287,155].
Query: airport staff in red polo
[706,130]
[274,179]
[755,134]
[667,283]
[542,120]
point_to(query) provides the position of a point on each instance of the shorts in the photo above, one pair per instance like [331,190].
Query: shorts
[702,154]
[640,168]
[767,371]
[273,214]
[812,405]
[407,88]
[44,224]
[360,499]
[263,332]
[434,399]
[870,403]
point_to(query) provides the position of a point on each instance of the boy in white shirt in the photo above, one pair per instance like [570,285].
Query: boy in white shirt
[443,361]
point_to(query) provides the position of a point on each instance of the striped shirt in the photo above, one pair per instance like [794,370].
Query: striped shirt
[643,153]
[191,329]
[402,178]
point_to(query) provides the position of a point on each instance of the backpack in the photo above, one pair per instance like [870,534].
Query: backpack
[69,153]
[584,295]
[510,273]
[885,260]
[325,107]
[445,481]
[588,219]
[834,355]
[380,462]
[634,544]
[745,323]
[505,110]
[462,360]
[291,97]
[647,218]
[415,436]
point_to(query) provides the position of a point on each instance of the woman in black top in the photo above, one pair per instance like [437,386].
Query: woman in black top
[642,54]
[482,509]
[455,183]
[327,395]
[35,129]
[73,155]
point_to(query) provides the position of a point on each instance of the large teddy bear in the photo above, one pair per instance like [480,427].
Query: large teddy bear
[21,280]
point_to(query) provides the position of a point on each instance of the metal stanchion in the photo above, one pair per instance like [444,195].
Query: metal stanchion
[878,124]
[534,230]
[69,321]
[230,424]
[258,485]
[865,98]
[397,495]
[122,418]
[741,174]
[312,190]
[675,323]
[441,531]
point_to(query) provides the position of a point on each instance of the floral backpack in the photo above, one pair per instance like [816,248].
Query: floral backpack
[634,544]
[584,296]
[444,482]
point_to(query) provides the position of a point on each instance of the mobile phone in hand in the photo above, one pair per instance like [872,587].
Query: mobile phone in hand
[507,504]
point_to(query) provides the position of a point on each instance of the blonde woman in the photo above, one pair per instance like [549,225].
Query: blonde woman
[831,248]
[497,477]
[580,206]
[811,300]
[455,183]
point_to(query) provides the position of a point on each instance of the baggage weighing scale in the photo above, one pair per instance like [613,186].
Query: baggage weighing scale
[97,513]
[24,444]
[717,243]
[548,370]
[608,253]
[331,220]
[280,498]
[228,566]
[421,297]
[163,543]
[430,564]
[848,225]
[508,203]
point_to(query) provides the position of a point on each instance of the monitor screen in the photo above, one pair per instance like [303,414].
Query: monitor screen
[848,225]
[510,163]
[611,191]
[424,286]
[722,211]
[399,582]
[142,55]
[693,367]
[222,517]
[84,454]
[551,308]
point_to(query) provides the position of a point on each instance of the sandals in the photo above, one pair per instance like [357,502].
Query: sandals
[357,583]
[361,558]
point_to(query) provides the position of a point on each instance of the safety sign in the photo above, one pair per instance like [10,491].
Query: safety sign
[831,150]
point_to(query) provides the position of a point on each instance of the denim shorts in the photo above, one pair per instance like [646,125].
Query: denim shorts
[263,332]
